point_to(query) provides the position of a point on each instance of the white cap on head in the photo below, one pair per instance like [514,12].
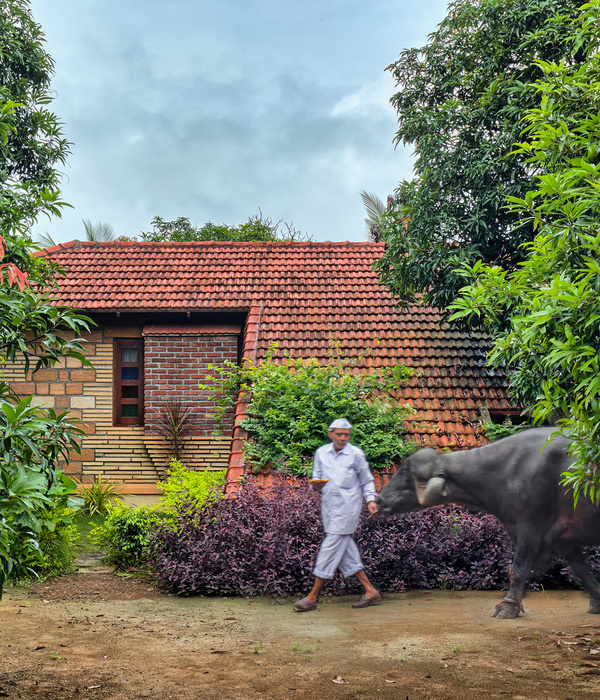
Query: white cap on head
[340,424]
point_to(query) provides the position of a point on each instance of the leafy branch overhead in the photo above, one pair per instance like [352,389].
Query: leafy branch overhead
[545,314]
[460,102]
[291,403]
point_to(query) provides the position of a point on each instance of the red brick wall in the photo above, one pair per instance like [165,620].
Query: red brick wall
[173,368]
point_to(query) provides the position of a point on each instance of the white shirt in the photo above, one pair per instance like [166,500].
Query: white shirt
[350,480]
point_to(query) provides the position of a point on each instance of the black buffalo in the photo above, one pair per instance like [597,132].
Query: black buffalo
[517,480]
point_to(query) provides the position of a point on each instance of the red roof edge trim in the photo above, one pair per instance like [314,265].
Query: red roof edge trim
[236,466]
[56,248]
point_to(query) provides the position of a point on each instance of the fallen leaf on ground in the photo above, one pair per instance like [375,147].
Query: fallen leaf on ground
[39,646]
[591,664]
[509,670]
[386,680]
[338,679]
[527,636]
[93,687]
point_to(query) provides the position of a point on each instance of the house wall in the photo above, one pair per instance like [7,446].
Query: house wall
[133,455]
[173,368]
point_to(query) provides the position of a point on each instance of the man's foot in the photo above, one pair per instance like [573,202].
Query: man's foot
[304,605]
[367,600]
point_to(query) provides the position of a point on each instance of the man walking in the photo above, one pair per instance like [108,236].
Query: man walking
[342,475]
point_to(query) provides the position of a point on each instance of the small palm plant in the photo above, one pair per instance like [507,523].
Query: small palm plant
[173,425]
[98,496]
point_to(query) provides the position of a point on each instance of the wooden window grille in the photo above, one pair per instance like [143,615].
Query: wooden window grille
[129,382]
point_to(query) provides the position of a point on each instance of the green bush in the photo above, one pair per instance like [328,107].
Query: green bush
[497,431]
[293,401]
[186,484]
[57,541]
[126,532]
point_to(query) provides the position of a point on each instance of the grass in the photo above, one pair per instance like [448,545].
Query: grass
[85,524]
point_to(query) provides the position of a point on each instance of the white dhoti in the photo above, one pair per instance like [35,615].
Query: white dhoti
[337,552]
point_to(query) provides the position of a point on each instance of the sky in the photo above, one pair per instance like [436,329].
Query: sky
[218,109]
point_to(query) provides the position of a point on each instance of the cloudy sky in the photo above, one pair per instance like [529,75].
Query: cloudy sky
[214,109]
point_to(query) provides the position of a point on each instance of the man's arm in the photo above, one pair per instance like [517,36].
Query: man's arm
[317,472]
[367,482]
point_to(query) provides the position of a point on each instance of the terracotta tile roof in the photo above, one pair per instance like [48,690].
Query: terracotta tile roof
[302,295]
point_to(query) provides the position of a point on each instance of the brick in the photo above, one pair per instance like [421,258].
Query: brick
[74,388]
[23,388]
[57,389]
[83,375]
[62,402]
[46,401]
[83,402]
[46,375]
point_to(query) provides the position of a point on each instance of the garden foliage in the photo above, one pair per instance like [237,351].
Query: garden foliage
[33,331]
[292,402]
[125,533]
[257,545]
[544,315]
[461,99]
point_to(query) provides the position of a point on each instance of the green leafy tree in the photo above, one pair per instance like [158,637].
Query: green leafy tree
[33,330]
[545,314]
[257,228]
[460,102]
[31,141]
[292,402]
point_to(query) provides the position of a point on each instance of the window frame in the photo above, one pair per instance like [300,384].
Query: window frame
[119,383]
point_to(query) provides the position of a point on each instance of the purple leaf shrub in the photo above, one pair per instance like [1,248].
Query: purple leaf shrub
[257,544]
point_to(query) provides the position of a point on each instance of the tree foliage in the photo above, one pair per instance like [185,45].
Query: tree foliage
[33,330]
[31,141]
[257,228]
[545,315]
[291,404]
[460,102]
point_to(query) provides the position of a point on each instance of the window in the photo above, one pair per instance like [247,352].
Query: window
[129,382]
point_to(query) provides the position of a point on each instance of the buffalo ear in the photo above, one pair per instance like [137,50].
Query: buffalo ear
[433,493]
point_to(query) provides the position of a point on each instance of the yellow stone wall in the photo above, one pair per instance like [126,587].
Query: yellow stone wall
[124,454]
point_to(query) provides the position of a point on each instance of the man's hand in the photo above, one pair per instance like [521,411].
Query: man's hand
[372,506]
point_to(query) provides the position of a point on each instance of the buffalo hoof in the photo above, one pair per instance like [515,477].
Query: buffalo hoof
[507,610]
[594,608]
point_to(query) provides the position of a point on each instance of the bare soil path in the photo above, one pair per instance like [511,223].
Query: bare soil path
[104,636]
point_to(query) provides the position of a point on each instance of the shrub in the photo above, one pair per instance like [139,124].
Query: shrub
[57,542]
[126,532]
[257,545]
[293,401]
[184,484]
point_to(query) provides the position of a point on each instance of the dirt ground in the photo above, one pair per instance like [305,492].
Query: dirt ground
[104,636]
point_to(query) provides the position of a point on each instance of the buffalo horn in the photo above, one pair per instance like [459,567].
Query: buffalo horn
[434,493]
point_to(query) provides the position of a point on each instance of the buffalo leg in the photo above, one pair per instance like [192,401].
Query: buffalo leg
[581,569]
[512,603]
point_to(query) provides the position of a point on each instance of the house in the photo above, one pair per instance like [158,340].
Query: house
[165,311]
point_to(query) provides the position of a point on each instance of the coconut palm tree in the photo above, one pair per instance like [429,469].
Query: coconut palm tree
[98,231]
[45,240]
[375,220]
